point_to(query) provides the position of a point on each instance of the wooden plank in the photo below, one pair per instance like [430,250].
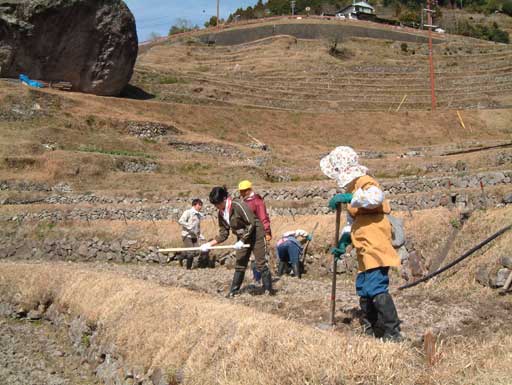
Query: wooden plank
[177,249]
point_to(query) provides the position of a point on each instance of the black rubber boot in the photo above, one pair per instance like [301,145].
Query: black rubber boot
[190,261]
[369,318]
[266,279]
[238,279]
[387,317]
[281,268]
[296,270]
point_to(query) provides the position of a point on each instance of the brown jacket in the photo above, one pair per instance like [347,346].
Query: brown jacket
[242,222]
[371,231]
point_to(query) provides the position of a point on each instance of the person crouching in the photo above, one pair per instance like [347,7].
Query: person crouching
[289,250]
[236,216]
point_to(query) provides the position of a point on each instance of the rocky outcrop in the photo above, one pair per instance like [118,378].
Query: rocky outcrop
[495,276]
[91,44]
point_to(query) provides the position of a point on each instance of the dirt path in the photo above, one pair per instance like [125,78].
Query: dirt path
[36,353]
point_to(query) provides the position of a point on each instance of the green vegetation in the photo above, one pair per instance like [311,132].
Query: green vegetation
[507,7]
[114,152]
[455,223]
[213,22]
[169,80]
[481,31]
[43,229]
[86,340]
[407,12]
[283,7]
[182,25]
[194,168]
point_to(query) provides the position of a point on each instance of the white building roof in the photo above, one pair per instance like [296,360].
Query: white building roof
[358,4]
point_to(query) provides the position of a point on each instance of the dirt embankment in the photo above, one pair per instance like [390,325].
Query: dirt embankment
[193,338]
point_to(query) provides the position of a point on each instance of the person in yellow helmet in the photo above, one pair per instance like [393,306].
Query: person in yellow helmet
[257,206]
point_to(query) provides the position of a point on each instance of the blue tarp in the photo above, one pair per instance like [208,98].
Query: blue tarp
[32,83]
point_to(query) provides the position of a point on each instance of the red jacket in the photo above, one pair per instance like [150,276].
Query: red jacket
[257,205]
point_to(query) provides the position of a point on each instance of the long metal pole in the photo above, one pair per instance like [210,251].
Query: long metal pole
[334,264]
[431,57]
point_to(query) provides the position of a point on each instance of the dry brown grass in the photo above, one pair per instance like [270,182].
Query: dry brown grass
[481,225]
[297,140]
[218,342]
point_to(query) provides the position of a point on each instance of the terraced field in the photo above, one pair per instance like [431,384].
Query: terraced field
[284,72]
[91,187]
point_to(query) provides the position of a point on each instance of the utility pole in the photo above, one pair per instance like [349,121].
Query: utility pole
[293,7]
[431,55]
[218,13]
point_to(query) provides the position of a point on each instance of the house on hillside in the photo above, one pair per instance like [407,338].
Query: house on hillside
[359,10]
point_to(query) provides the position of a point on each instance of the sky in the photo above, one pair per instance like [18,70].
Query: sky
[159,15]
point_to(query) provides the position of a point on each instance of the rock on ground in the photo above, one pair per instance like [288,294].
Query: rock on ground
[91,44]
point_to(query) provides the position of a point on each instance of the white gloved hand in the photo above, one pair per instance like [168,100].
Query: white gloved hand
[239,245]
[205,247]
[201,237]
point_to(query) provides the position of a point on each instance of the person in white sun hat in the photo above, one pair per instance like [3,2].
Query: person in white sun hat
[369,231]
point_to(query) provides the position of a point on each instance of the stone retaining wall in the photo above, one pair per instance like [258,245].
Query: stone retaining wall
[308,206]
[405,194]
[310,31]
[72,249]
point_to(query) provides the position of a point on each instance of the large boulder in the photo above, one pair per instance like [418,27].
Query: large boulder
[90,43]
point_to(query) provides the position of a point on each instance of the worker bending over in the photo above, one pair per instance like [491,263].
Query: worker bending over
[289,250]
[236,216]
[369,231]
[190,222]
[257,205]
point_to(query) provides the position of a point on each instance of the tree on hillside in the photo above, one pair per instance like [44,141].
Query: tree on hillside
[182,25]
[213,22]
[153,36]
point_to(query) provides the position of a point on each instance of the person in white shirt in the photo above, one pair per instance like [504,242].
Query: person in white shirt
[190,222]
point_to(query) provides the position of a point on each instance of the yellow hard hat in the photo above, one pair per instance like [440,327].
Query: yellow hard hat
[244,185]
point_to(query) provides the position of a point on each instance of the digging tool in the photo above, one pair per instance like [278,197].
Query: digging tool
[460,259]
[334,263]
[506,286]
[176,249]
[307,244]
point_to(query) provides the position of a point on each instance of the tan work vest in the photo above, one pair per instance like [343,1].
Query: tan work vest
[371,231]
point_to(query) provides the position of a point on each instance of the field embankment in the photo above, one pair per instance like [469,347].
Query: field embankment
[194,339]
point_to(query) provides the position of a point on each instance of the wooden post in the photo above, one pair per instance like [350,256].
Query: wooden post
[429,344]
[334,264]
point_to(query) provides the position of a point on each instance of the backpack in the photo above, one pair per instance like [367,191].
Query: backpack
[397,231]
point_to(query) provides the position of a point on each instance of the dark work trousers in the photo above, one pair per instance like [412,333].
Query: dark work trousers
[258,247]
[289,252]
[189,255]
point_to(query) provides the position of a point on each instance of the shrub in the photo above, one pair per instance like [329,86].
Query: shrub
[403,47]
[410,17]
[482,31]
[507,7]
